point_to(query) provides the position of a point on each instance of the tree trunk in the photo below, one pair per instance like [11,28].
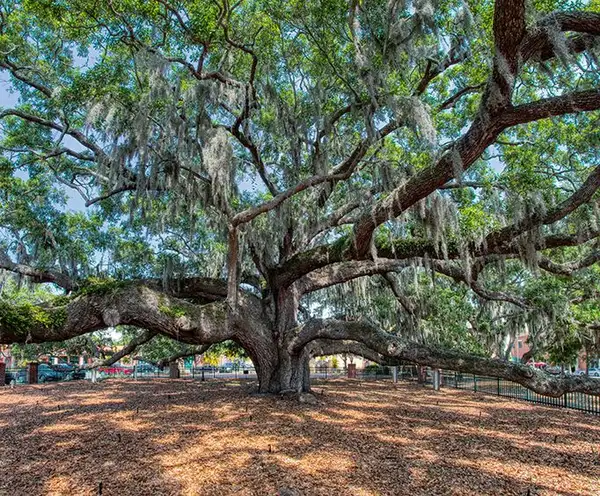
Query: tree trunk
[286,373]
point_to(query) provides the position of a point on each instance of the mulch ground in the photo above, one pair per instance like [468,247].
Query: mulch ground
[216,438]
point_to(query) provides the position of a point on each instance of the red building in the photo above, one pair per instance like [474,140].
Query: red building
[520,347]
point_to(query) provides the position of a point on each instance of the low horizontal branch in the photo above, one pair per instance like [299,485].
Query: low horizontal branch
[393,346]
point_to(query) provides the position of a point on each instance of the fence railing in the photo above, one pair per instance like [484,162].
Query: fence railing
[482,384]
[508,389]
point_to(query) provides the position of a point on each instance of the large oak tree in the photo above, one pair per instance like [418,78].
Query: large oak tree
[405,180]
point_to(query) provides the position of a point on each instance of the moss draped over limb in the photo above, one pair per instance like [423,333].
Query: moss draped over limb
[118,305]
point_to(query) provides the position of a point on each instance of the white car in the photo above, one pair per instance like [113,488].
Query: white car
[593,372]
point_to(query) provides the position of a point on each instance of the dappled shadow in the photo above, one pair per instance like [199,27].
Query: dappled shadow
[187,437]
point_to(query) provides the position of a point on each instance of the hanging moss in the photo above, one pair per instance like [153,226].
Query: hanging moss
[21,317]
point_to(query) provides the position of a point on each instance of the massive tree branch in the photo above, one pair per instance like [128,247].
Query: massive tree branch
[581,101]
[481,134]
[582,195]
[339,273]
[129,348]
[394,347]
[37,275]
[509,30]
[567,269]
[196,350]
[540,38]
[326,347]
[109,306]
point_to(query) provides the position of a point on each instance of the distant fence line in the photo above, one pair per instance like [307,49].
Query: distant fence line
[508,389]
[449,379]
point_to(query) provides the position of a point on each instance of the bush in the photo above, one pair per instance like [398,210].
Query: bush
[375,369]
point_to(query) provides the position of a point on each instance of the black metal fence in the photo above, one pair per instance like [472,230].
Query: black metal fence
[201,373]
[508,389]
[482,384]
[489,385]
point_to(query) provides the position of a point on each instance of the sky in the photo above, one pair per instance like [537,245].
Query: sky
[8,99]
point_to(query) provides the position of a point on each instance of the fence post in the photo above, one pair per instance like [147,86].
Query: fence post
[565,401]
[351,371]
[498,388]
[474,383]
[436,379]
[174,370]
[32,373]
[202,379]
[456,380]
[395,373]
[2,373]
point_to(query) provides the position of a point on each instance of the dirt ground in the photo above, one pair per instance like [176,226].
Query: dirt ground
[216,438]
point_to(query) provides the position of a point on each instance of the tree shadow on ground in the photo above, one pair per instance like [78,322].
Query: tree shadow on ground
[189,437]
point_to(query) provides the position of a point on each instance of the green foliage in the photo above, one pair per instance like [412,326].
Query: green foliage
[172,311]
[181,176]
[101,287]
[20,310]
[229,349]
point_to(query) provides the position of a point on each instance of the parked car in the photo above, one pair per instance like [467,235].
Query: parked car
[553,369]
[9,377]
[48,373]
[595,372]
[70,372]
[146,368]
[537,365]
[116,370]
[18,375]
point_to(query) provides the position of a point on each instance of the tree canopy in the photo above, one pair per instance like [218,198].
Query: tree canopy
[412,180]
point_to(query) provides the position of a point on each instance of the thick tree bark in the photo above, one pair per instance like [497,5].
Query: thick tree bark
[279,348]
[394,347]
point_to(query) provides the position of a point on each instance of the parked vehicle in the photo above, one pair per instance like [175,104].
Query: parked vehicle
[146,368]
[70,372]
[595,372]
[553,369]
[228,367]
[9,377]
[116,370]
[538,365]
[47,373]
